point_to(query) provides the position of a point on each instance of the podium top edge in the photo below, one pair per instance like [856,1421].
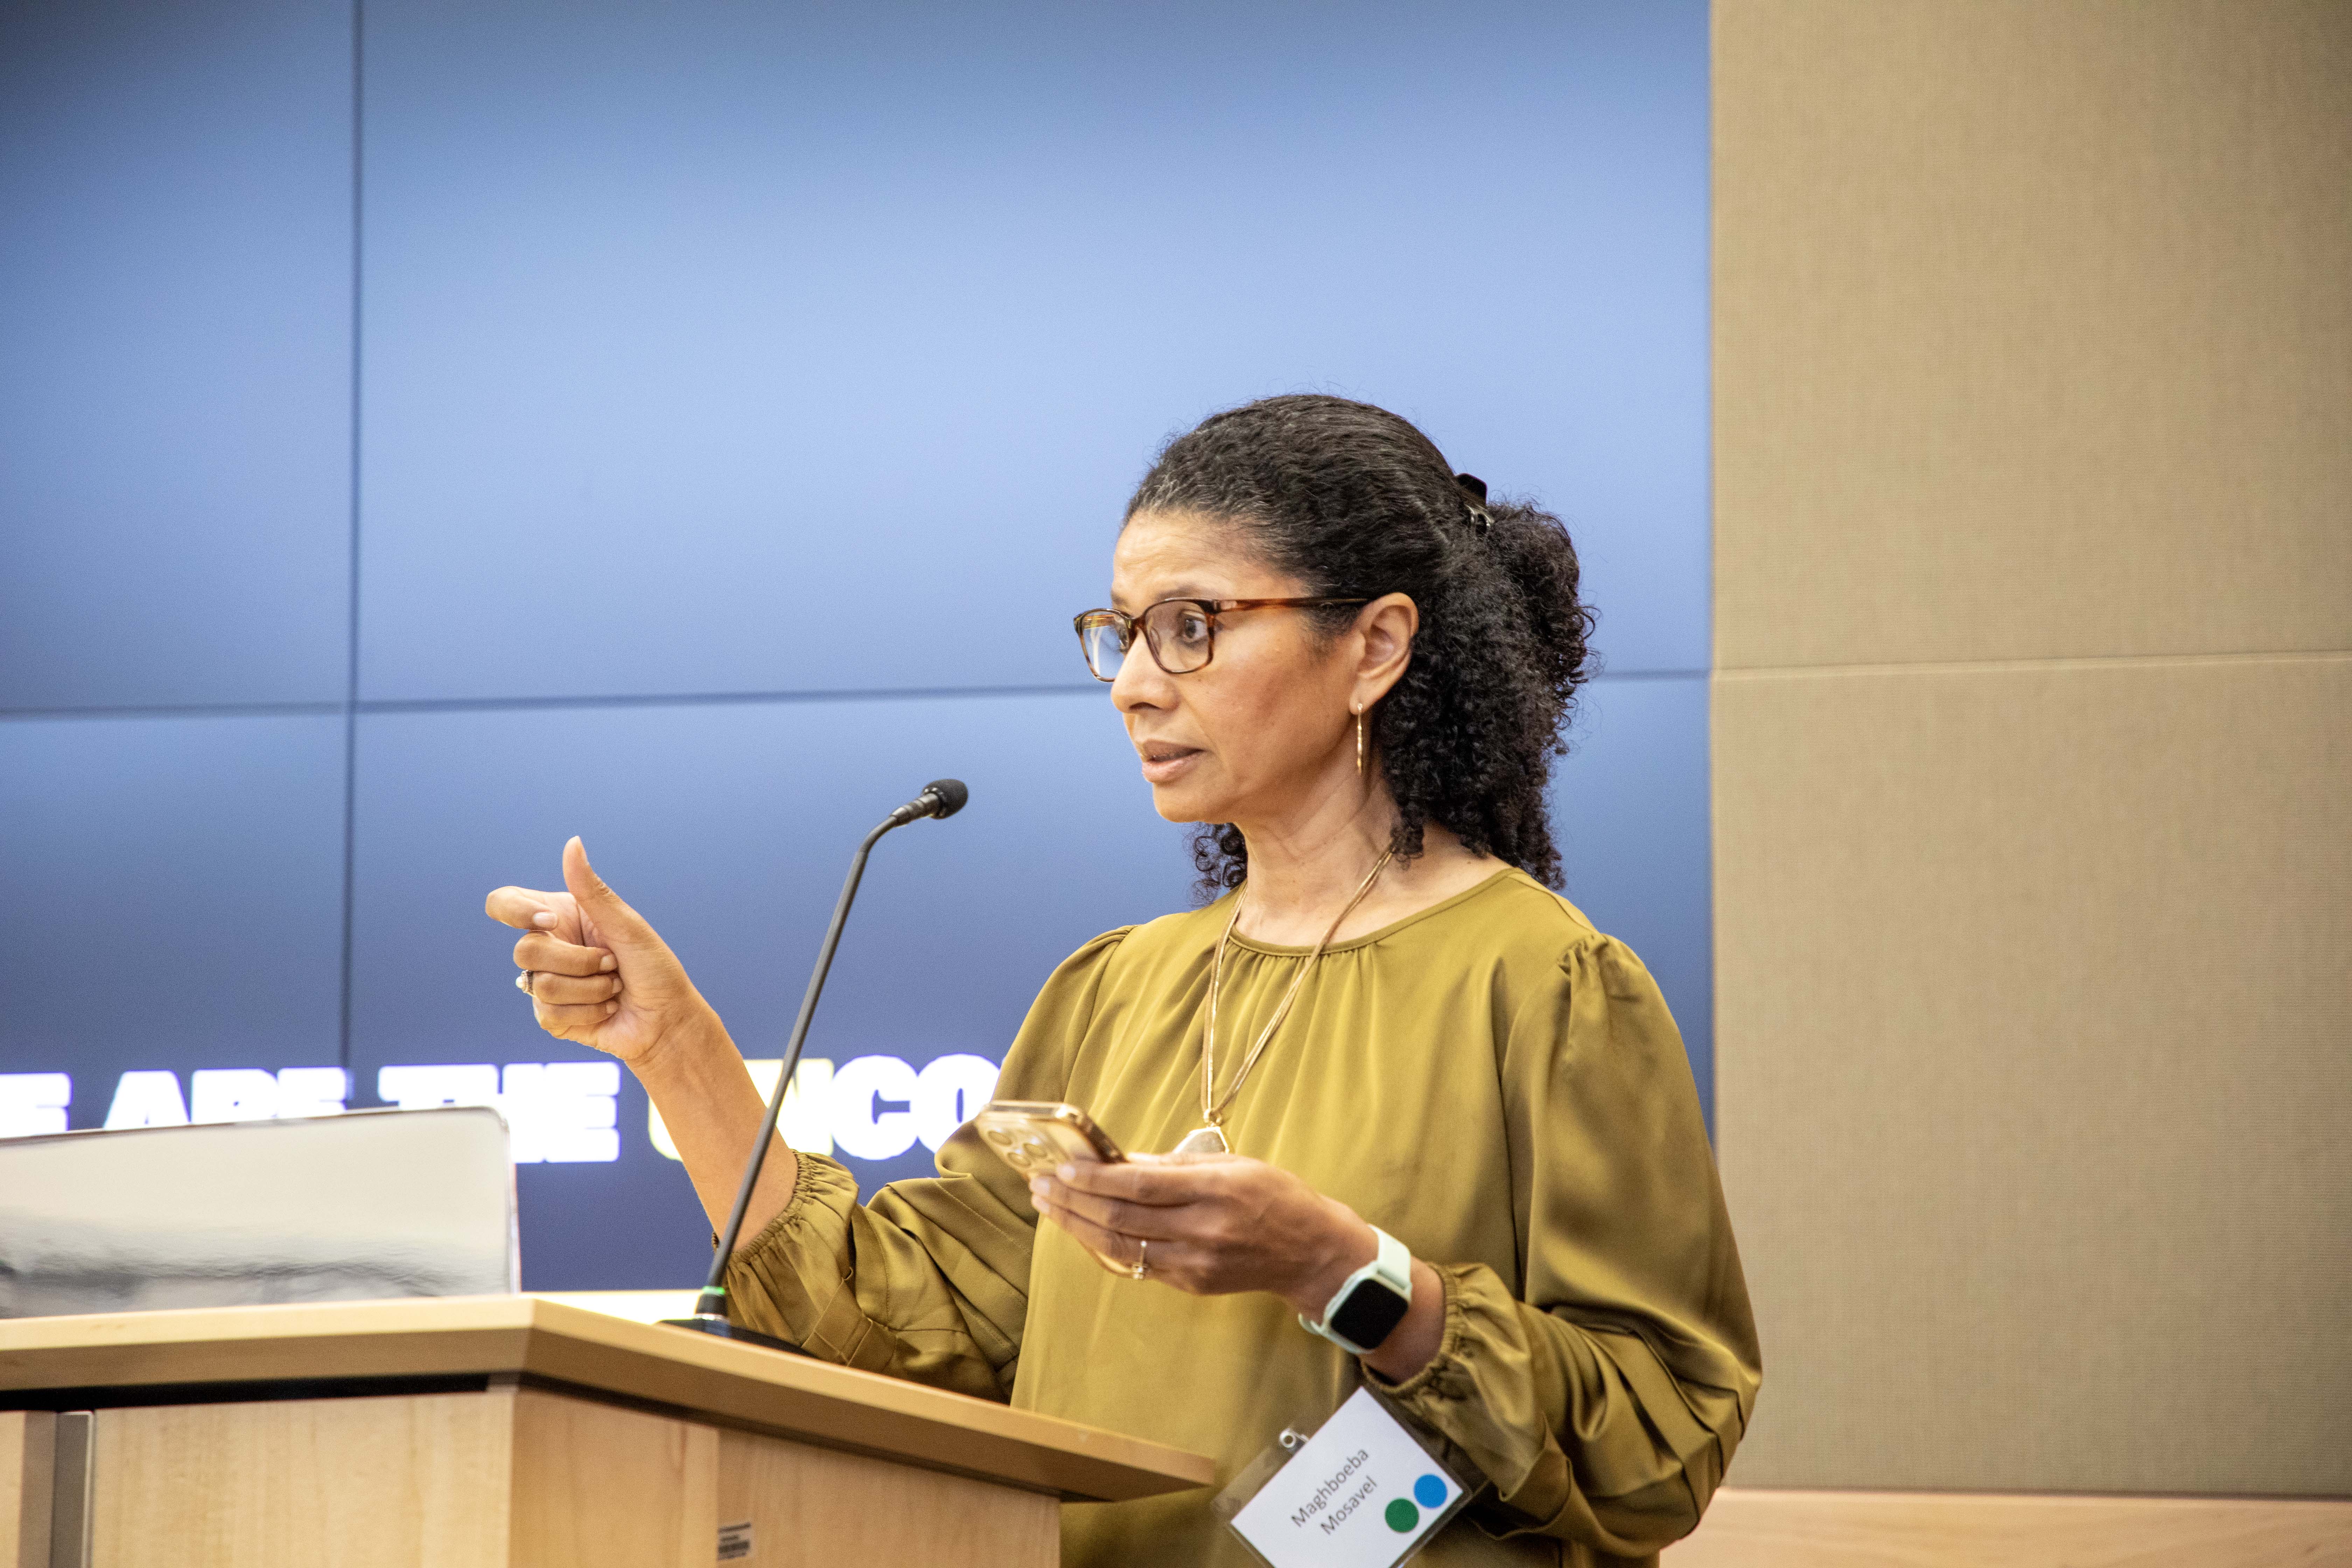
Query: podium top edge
[594,1353]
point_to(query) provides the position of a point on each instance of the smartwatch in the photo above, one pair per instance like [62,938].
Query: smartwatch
[1370,1302]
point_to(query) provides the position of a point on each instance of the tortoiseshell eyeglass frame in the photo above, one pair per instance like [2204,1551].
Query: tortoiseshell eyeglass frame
[1126,625]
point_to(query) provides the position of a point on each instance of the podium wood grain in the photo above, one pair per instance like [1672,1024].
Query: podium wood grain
[583,1441]
[25,1454]
[404,1481]
[812,1509]
[806,1401]
[518,1479]
[595,1484]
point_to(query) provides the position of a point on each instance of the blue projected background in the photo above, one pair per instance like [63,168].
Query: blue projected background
[429,431]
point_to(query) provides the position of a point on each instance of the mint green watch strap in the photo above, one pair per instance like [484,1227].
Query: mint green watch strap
[1391,1265]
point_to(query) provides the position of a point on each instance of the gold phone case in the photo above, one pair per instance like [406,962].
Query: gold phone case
[1033,1135]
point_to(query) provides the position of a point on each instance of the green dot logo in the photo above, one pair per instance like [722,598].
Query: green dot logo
[1402,1516]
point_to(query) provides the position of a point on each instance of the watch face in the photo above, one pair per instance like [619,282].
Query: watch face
[1369,1314]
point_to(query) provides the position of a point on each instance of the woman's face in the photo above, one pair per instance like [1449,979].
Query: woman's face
[1262,730]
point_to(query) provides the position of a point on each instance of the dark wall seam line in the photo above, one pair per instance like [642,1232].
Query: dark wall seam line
[180,710]
[713,698]
[1608,675]
[355,703]
[351,624]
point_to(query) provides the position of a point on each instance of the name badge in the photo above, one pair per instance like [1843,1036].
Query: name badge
[1361,1493]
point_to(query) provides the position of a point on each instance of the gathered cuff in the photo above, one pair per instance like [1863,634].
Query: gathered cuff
[1441,1378]
[807,1182]
[795,1279]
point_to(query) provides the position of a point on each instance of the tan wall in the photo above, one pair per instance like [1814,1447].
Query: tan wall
[2033,738]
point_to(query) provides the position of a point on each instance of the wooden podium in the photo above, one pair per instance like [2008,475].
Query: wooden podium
[508,1432]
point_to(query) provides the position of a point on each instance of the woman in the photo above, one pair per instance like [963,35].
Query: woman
[1335,654]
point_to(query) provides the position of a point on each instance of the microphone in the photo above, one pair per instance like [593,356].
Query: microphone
[941,798]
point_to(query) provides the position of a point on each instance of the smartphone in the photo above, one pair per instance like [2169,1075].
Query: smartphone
[1033,1135]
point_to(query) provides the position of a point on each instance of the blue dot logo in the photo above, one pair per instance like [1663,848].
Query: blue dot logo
[1429,1491]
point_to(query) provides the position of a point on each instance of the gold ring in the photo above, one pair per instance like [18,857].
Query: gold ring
[1142,1264]
[522,983]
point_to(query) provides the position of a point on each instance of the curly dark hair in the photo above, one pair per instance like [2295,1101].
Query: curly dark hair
[1356,502]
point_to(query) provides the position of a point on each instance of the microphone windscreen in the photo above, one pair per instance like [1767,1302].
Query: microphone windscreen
[952,795]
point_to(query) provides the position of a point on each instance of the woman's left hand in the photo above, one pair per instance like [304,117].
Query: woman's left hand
[1216,1224]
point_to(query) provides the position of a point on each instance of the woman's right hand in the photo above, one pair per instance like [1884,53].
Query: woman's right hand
[600,975]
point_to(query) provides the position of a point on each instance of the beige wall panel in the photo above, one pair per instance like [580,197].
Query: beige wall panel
[2033,328]
[596,1486]
[814,1508]
[404,1481]
[1748,1529]
[2034,1072]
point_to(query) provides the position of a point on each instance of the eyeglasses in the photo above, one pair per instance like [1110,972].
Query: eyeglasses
[1180,633]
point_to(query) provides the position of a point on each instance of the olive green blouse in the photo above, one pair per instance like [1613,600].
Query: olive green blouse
[1490,1080]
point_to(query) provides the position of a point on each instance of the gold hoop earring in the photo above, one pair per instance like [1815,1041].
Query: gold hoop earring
[1360,742]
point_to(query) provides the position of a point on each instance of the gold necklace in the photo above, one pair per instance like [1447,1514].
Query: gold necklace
[1210,1137]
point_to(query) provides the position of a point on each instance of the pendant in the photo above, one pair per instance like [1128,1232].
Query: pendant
[1209,1140]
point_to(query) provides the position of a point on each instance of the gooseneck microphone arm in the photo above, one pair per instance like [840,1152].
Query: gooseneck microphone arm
[941,798]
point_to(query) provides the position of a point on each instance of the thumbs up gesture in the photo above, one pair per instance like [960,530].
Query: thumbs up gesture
[597,974]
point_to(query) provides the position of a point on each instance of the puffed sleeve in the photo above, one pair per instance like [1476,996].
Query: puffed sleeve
[930,1281]
[1604,1395]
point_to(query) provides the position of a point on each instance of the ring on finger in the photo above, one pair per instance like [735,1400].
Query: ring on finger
[1142,1264]
[522,983]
